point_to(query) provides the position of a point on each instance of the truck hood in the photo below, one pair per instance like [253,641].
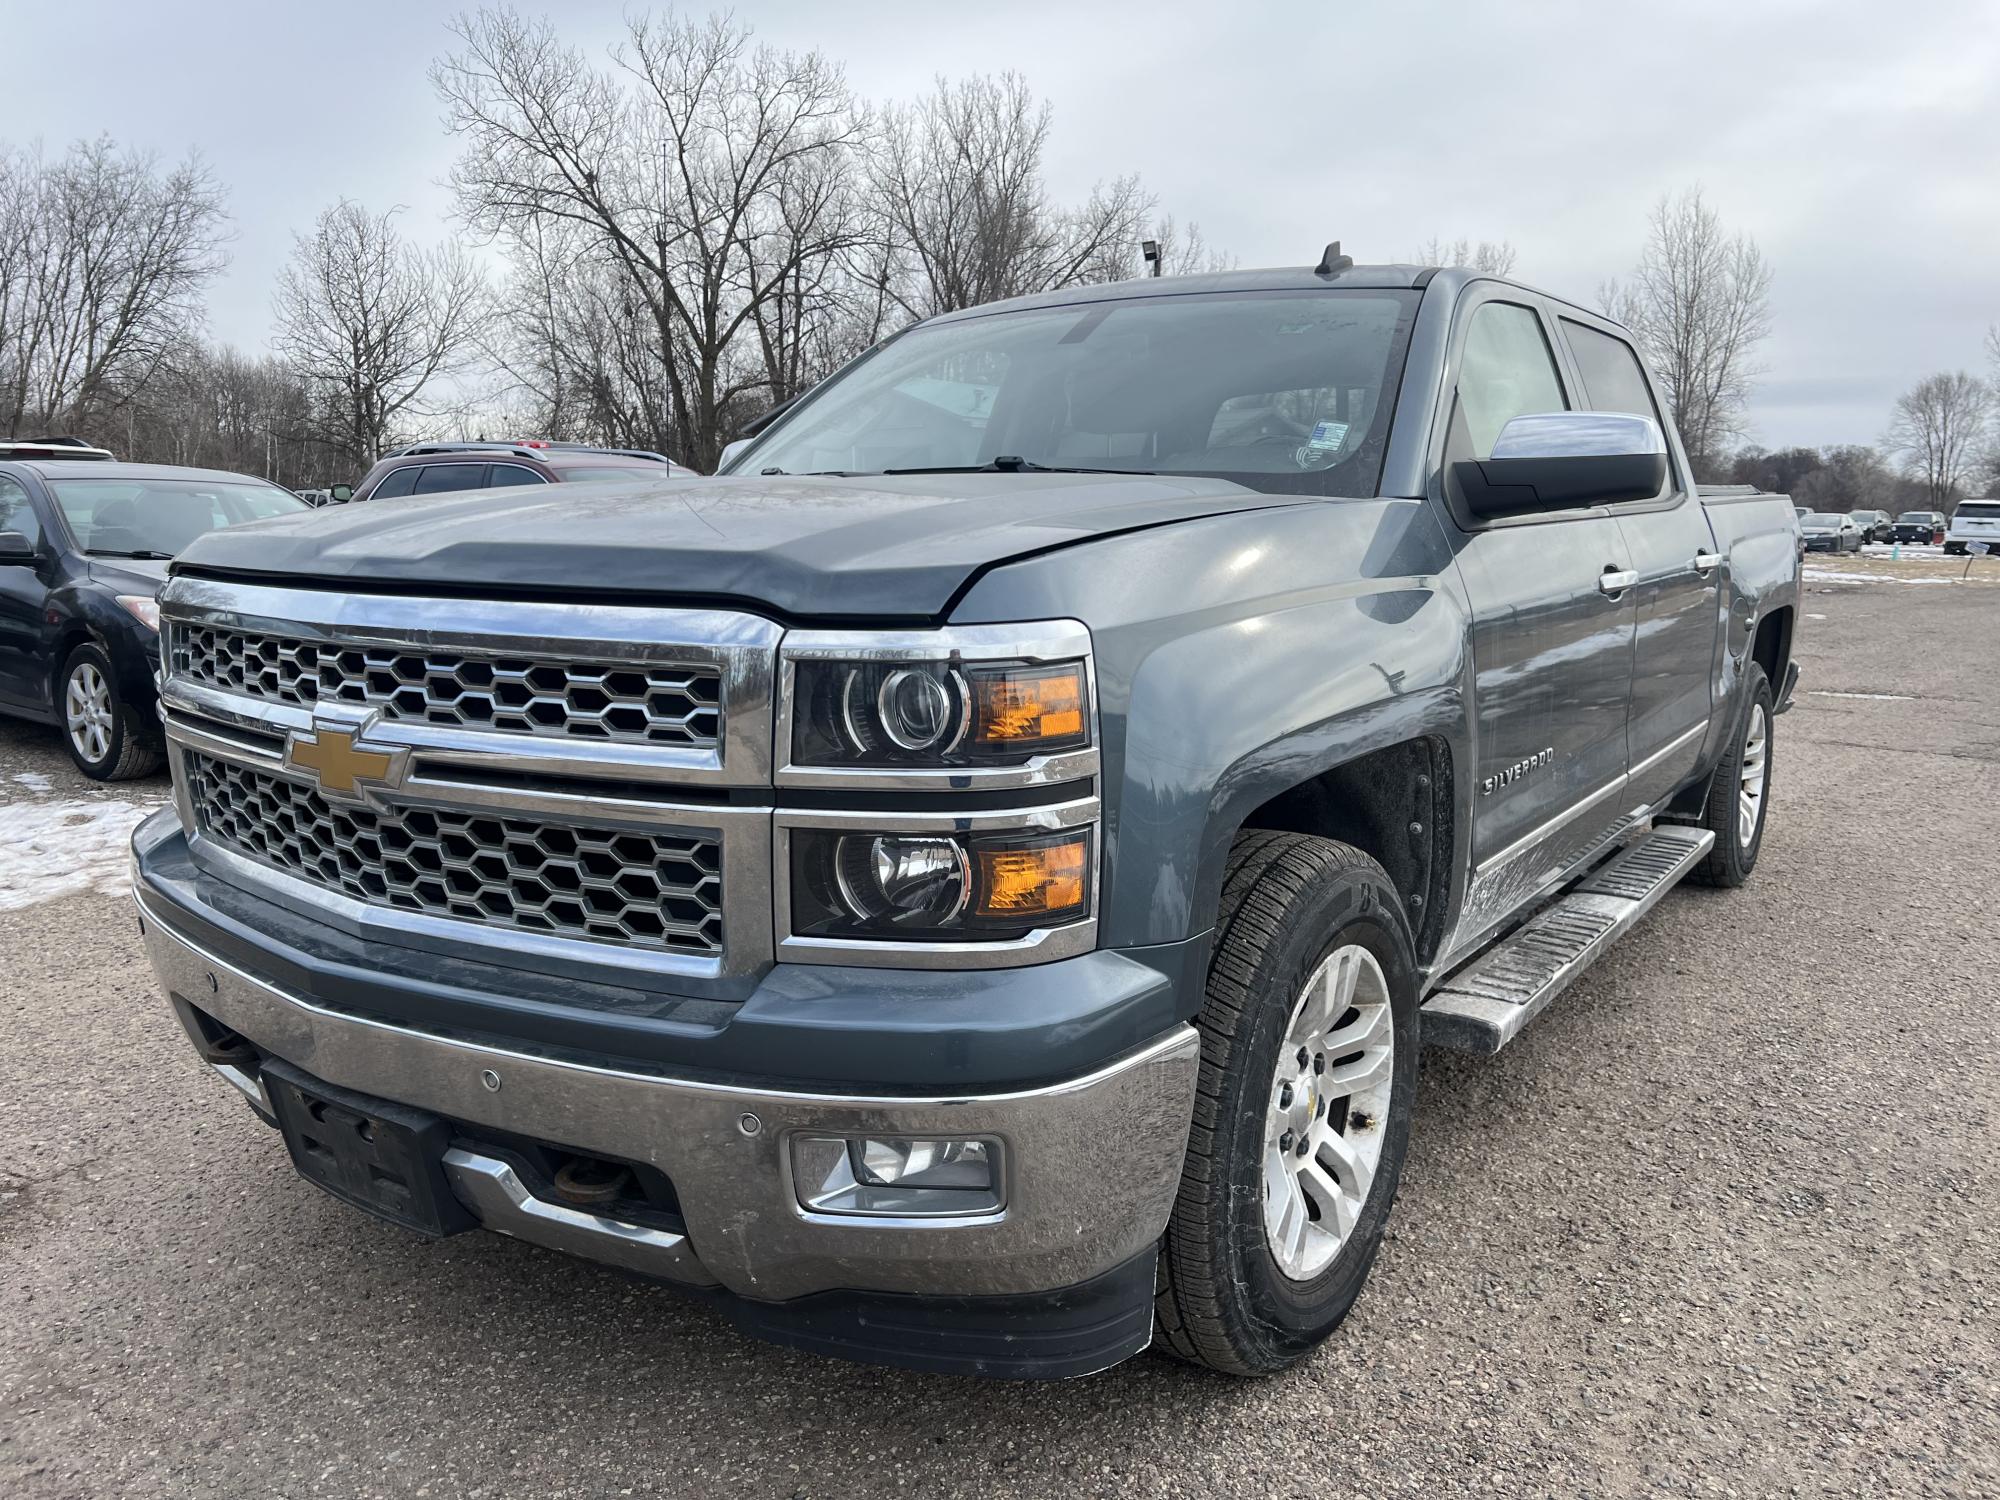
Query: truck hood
[878,546]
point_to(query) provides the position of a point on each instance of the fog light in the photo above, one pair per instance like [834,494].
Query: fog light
[898,1176]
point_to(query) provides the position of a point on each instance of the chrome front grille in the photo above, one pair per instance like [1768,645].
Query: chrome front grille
[658,890]
[630,703]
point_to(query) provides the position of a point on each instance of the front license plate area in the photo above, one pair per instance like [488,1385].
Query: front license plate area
[382,1157]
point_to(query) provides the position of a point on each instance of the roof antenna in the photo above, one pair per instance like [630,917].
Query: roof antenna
[1332,262]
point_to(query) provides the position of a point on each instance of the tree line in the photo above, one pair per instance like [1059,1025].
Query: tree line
[683,234]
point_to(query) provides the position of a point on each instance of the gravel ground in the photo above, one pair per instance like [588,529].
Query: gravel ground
[1722,1222]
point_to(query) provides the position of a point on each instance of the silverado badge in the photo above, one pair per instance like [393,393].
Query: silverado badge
[335,759]
[1515,772]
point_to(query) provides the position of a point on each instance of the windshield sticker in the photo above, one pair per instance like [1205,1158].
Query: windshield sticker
[1320,449]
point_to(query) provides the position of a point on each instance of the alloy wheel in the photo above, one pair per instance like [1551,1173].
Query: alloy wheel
[88,713]
[1328,1111]
[1752,775]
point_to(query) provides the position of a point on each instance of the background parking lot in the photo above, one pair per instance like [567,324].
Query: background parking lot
[1722,1222]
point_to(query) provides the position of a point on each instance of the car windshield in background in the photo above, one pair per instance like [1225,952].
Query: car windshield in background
[159,517]
[1283,392]
[1823,522]
[1914,518]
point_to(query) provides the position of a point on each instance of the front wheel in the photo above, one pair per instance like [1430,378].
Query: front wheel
[1302,1113]
[101,732]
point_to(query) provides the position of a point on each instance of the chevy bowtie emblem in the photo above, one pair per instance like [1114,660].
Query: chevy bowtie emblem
[337,762]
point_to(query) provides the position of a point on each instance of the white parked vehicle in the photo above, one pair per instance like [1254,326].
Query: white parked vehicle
[1973,521]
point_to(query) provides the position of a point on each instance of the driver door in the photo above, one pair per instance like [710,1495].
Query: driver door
[23,592]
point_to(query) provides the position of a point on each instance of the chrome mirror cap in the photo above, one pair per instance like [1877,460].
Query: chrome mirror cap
[1580,434]
[729,452]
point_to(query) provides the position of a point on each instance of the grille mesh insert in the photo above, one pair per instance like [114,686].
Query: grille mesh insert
[648,705]
[660,891]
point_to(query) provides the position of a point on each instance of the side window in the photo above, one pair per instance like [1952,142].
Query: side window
[436,479]
[1505,372]
[396,482]
[505,475]
[17,511]
[1613,378]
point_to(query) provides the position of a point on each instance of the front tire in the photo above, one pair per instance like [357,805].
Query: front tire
[1302,1112]
[1739,796]
[100,730]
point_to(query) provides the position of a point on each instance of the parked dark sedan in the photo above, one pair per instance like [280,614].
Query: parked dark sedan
[1924,527]
[84,547]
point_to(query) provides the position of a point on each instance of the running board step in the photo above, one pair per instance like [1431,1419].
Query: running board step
[1484,1006]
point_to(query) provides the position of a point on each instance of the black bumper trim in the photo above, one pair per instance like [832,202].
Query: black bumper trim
[1056,1335]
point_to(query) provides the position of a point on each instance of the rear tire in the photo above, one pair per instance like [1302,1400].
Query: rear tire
[1312,946]
[99,728]
[1739,795]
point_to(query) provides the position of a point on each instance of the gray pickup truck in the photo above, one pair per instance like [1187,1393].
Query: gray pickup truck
[965,887]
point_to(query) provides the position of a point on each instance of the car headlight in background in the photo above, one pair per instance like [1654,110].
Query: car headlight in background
[938,887]
[936,713]
[142,607]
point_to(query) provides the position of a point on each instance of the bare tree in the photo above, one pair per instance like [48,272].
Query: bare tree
[103,260]
[712,178]
[1938,426]
[371,322]
[1487,257]
[1699,302]
[969,219]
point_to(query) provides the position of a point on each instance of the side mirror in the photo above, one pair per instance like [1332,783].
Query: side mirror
[729,452]
[341,493]
[1563,460]
[17,551]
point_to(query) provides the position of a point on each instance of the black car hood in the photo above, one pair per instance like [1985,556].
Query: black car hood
[878,546]
[128,575]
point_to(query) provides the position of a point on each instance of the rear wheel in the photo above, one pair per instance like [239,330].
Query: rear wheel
[101,732]
[1302,1116]
[1739,794]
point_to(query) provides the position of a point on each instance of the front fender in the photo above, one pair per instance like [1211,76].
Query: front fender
[1237,657]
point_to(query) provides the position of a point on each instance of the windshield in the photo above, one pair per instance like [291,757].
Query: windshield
[158,517]
[1284,392]
[1823,520]
[1914,518]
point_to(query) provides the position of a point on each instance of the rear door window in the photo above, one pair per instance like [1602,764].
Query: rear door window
[504,476]
[438,479]
[1613,378]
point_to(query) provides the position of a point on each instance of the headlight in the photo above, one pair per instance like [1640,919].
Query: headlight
[937,887]
[142,607]
[936,713]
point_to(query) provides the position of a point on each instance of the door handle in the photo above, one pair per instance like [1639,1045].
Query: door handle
[1703,561]
[1616,580]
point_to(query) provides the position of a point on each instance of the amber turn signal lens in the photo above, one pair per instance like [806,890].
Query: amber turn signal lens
[1039,881]
[1024,708]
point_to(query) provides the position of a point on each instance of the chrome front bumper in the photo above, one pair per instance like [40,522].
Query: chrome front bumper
[1092,1163]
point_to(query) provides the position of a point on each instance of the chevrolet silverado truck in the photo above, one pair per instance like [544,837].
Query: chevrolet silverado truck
[965,887]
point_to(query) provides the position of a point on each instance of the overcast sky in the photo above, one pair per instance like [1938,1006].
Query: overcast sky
[1859,143]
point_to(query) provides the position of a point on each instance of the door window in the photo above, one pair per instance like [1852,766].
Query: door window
[17,511]
[1613,379]
[505,475]
[1506,371]
[396,482]
[436,479]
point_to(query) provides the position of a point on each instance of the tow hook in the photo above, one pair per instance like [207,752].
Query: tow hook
[588,1182]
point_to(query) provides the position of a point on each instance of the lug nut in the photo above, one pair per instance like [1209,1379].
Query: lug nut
[1285,1096]
[1302,1057]
[1285,1141]
[1319,1062]
[1304,1146]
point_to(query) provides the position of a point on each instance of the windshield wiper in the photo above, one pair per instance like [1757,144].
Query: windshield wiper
[142,554]
[1007,463]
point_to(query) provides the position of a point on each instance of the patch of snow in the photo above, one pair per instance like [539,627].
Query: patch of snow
[1815,617]
[1823,575]
[49,850]
[34,781]
[1879,697]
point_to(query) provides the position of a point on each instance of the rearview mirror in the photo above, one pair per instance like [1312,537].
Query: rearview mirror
[16,550]
[1563,460]
[341,493]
